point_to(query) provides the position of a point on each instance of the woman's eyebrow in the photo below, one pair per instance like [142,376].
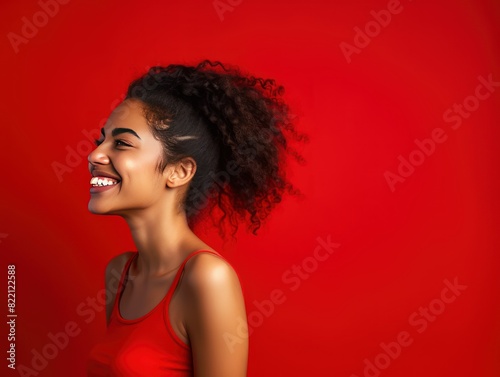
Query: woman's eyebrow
[118,131]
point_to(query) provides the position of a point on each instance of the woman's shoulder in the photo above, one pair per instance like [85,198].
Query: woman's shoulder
[206,270]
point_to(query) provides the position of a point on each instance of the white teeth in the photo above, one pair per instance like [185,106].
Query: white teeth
[96,181]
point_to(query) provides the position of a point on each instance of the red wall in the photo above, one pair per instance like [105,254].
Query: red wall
[401,177]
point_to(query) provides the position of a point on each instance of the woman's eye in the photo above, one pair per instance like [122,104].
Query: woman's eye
[118,143]
[121,143]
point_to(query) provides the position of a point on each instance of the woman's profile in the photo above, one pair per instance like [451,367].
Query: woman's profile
[186,143]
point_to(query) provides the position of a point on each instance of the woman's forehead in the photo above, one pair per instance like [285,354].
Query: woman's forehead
[128,114]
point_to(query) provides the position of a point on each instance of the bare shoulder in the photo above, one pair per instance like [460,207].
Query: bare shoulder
[206,270]
[211,282]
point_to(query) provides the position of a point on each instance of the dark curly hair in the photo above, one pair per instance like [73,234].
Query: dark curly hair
[233,125]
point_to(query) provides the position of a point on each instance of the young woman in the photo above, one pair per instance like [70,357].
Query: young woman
[185,142]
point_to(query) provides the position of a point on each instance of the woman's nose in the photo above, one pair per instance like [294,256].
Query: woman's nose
[98,156]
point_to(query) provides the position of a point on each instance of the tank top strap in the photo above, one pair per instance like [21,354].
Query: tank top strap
[178,275]
[123,276]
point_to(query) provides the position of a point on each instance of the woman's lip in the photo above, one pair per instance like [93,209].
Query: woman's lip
[98,189]
[100,173]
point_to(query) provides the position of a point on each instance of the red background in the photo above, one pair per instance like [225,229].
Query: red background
[397,247]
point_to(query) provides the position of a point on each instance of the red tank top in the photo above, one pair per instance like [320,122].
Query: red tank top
[145,346]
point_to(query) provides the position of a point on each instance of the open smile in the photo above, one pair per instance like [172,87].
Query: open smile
[100,184]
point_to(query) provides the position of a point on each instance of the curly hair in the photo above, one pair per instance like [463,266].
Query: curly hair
[233,125]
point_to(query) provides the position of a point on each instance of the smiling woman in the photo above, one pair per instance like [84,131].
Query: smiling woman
[154,165]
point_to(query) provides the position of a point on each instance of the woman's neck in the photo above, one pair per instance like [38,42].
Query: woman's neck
[162,239]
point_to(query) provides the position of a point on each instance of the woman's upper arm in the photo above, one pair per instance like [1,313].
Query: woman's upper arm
[216,320]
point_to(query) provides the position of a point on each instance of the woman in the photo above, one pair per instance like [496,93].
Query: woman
[185,142]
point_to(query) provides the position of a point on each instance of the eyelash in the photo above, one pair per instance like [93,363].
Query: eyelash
[122,143]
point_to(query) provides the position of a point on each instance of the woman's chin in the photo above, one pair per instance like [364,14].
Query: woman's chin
[101,209]
[98,210]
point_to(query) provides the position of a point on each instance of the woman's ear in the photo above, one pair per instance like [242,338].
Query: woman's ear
[180,173]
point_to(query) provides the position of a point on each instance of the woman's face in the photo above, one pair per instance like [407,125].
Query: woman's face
[124,164]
